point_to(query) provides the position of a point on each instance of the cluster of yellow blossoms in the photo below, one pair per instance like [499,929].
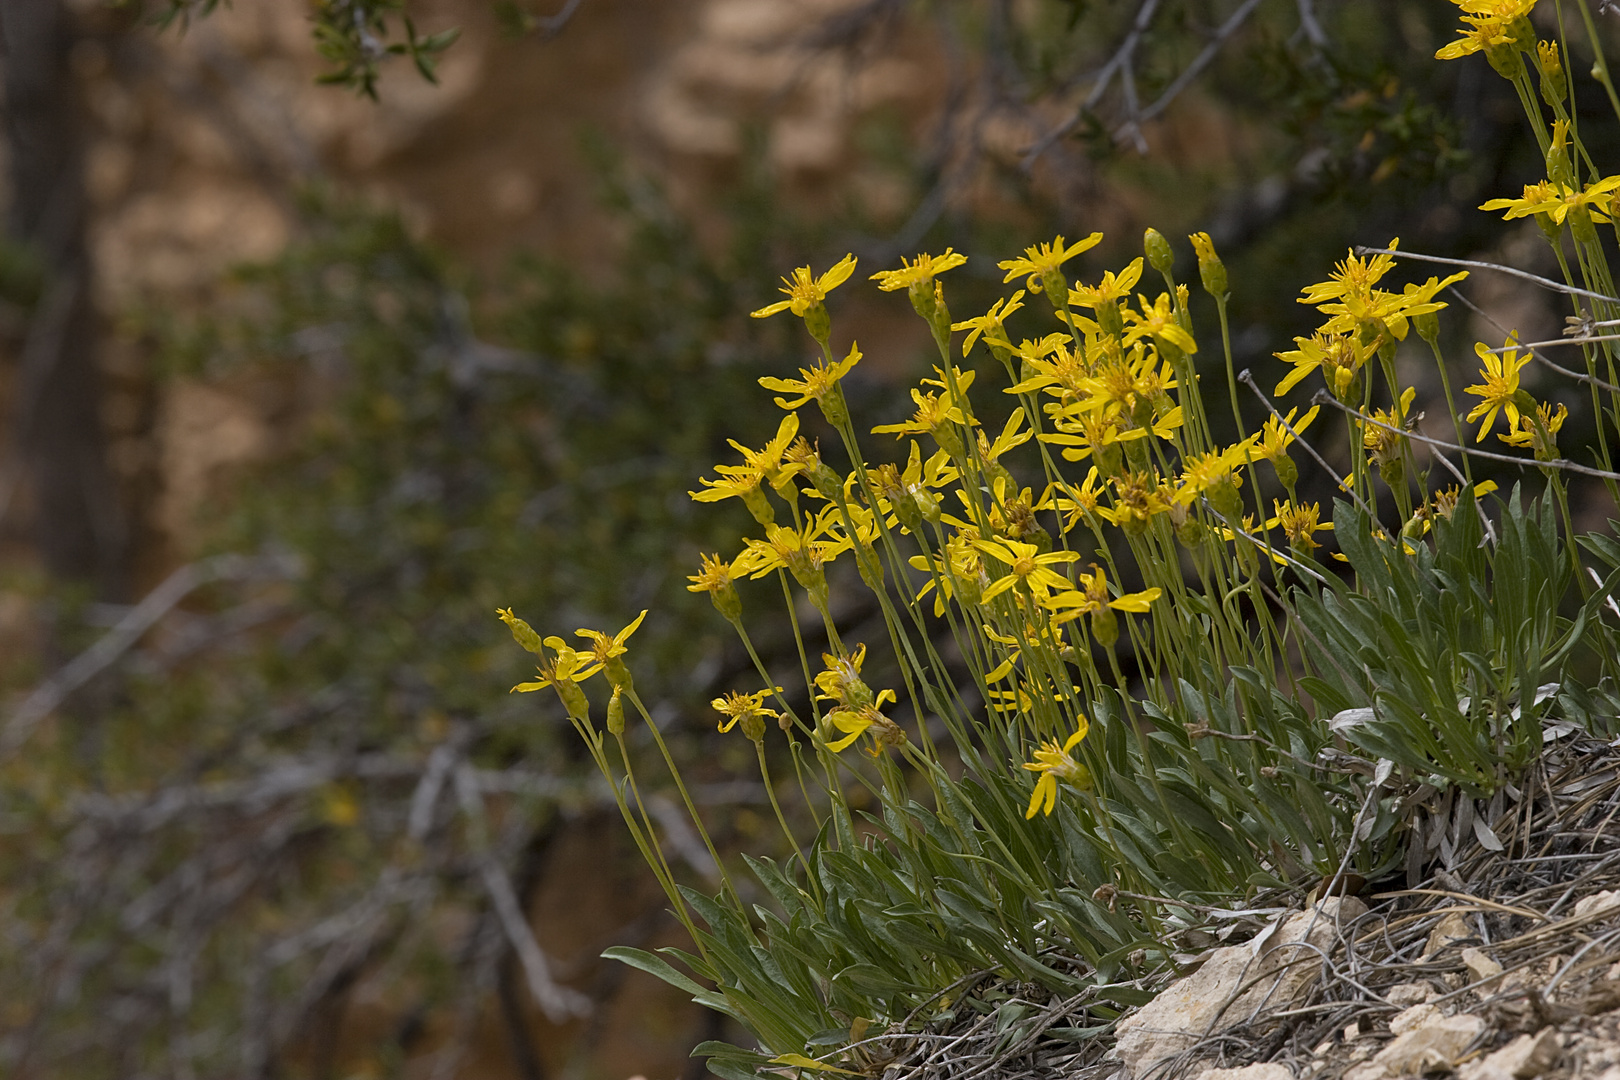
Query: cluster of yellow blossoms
[1112,387]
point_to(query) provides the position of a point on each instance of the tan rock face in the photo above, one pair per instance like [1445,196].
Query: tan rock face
[1234,985]
[1431,1046]
[1525,1058]
[1269,1070]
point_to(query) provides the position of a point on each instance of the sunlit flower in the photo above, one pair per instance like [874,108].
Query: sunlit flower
[1112,288]
[1026,566]
[1558,201]
[606,649]
[746,709]
[1494,27]
[1500,390]
[1053,763]
[806,292]
[992,324]
[923,270]
[1045,261]
[820,383]
[1528,435]
[1339,356]
[1158,321]
[1299,524]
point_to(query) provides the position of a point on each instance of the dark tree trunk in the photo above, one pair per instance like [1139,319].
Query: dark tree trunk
[79,523]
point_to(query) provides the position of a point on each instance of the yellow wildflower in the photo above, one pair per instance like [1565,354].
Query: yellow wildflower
[1494,27]
[922,271]
[1500,390]
[992,324]
[746,709]
[806,292]
[1557,201]
[606,649]
[1111,289]
[1383,445]
[1275,439]
[1054,764]
[1092,597]
[1207,472]
[1528,435]
[1077,503]
[959,571]
[820,384]
[1026,566]
[1138,497]
[1299,524]
[1339,356]
[1158,321]
[1044,262]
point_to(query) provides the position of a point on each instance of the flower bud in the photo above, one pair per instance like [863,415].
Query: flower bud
[1158,252]
[927,504]
[1211,271]
[522,632]
[1553,89]
[615,713]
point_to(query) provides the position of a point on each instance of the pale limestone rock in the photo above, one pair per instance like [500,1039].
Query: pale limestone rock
[1479,965]
[1431,1046]
[1233,984]
[1602,901]
[1452,929]
[1405,994]
[1414,1017]
[1525,1058]
[1262,1071]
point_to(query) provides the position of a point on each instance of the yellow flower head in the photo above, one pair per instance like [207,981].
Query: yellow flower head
[806,292]
[1275,438]
[1542,438]
[818,384]
[1158,321]
[1091,596]
[1494,27]
[715,578]
[925,269]
[1053,763]
[1205,472]
[1299,524]
[1138,497]
[1045,261]
[748,710]
[1500,390]
[1383,445]
[1339,356]
[608,648]
[1111,289]
[991,324]
[1026,566]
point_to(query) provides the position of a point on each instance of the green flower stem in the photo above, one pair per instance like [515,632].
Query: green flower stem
[691,808]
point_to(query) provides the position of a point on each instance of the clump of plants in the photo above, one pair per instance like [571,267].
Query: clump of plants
[1140,676]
